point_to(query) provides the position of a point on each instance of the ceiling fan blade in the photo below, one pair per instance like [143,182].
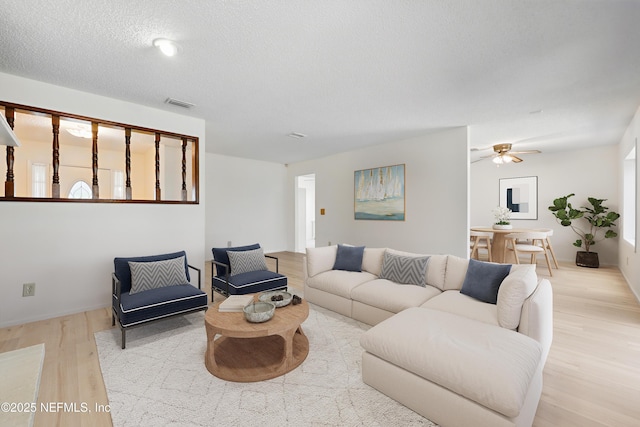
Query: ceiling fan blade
[526,152]
[514,158]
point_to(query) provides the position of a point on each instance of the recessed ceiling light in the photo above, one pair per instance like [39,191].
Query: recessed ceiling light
[297,135]
[166,46]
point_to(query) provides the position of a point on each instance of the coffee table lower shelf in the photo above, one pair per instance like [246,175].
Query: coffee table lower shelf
[255,359]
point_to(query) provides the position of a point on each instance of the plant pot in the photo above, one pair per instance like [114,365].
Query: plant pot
[587,259]
[502,226]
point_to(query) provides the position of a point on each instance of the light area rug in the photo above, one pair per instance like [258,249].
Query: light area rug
[160,380]
[20,372]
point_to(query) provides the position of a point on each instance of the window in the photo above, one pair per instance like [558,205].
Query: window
[38,180]
[630,193]
[80,190]
[118,184]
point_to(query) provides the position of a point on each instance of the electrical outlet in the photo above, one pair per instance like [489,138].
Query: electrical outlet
[28,289]
[229,244]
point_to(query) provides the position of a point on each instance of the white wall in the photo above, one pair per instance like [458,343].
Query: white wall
[246,203]
[590,172]
[629,259]
[67,249]
[436,195]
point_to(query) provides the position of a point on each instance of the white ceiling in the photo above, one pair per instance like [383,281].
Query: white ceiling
[347,73]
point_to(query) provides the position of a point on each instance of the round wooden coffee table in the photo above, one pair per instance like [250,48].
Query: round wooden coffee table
[246,352]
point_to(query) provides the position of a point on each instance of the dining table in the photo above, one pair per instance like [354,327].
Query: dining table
[498,241]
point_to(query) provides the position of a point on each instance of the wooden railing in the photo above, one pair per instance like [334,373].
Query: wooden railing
[10,184]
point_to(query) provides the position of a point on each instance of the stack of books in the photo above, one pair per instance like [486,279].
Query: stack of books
[235,302]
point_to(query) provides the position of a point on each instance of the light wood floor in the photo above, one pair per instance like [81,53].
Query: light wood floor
[592,376]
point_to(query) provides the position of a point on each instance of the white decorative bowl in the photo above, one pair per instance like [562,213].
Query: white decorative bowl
[258,312]
[266,297]
[502,226]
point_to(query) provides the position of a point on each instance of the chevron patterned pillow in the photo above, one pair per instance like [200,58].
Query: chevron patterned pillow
[157,274]
[404,269]
[246,261]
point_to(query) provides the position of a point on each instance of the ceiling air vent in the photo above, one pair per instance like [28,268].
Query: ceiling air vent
[297,135]
[177,102]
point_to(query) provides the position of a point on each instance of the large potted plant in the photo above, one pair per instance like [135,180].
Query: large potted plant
[599,219]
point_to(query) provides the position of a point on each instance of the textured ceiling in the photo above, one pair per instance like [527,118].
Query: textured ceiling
[347,73]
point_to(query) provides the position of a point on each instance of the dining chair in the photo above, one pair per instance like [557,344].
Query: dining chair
[547,244]
[480,240]
[535,246]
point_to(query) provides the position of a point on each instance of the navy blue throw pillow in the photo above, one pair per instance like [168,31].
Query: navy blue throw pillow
[349,258]
[483,280]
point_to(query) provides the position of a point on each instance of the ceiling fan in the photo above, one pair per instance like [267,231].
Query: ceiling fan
[503,154]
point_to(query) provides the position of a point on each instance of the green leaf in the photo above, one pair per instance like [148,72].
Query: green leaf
[609,234]
[612,216]
[578,243]
[575,214]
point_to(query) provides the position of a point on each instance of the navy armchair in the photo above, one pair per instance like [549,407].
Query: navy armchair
[149,288]
[242,270]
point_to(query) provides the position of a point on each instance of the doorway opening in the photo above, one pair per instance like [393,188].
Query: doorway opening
[305,205]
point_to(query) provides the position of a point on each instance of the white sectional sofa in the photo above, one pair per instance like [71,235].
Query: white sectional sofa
[452,358]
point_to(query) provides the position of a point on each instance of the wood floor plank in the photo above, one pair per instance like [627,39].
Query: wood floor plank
[592,375]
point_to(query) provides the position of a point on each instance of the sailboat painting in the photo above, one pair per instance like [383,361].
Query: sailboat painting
[379,193]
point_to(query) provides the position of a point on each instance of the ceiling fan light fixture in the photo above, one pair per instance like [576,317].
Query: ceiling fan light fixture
[81,131]
[502,159]
[166,46]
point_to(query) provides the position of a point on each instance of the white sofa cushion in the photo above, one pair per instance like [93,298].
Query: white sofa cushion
[339,282]
[514,290]
[320,259]
[372,260]
[490,365]
[456,272]
[390,296]
[463,305]
[437,271]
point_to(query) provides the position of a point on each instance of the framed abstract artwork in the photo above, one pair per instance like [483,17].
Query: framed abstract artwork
[521,196]
[379,193]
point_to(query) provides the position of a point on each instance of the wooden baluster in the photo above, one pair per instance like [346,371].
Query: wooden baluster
[9,187]
[127,161]
[184,169]
[94,164]
[55,185]
[158,192]
[195,171]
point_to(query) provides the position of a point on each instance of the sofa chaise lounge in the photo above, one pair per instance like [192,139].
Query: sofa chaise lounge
[451,357]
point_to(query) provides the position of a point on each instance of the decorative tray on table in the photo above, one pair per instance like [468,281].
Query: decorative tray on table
[277,298]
